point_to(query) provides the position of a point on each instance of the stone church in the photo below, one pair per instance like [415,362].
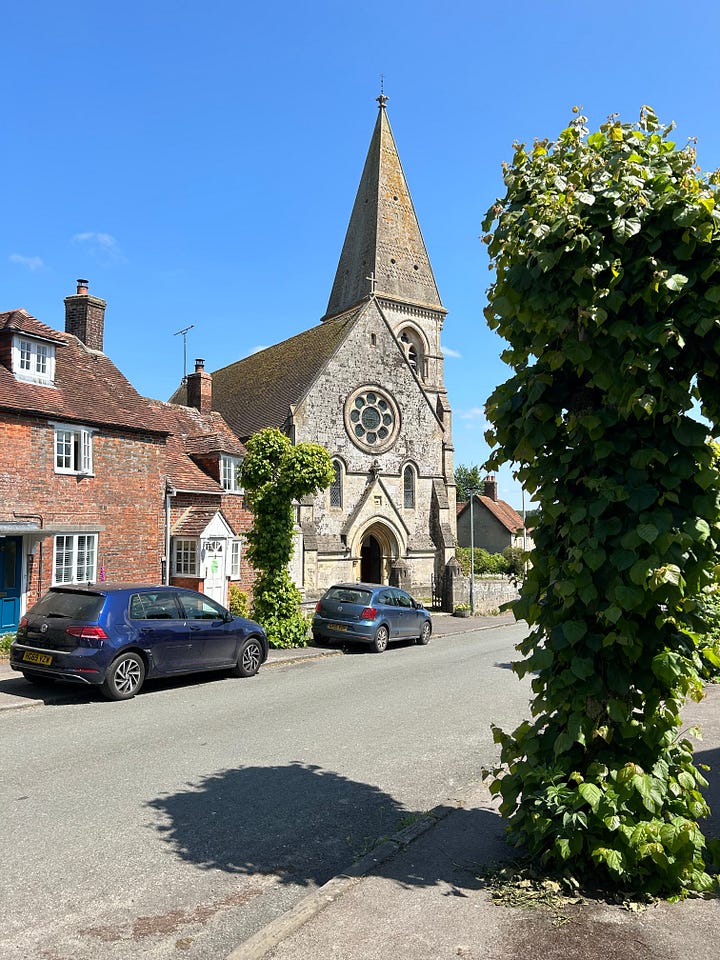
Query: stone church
[366,383]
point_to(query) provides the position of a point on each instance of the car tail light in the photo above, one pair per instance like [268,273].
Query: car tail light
[23,622]
[90,634]
[369,613]
[318,607]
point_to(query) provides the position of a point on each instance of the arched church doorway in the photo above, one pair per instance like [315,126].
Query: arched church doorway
[370,560]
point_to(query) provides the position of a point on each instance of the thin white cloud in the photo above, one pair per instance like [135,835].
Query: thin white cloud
[473,419]
[257,349]
[32,263]
[474,413]
[100,244]
[449,352]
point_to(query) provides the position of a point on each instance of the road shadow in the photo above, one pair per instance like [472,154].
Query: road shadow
[299,822]
[54,693]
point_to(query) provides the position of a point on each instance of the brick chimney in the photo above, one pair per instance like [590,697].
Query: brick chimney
[85,317]
[199,388]
[491,488]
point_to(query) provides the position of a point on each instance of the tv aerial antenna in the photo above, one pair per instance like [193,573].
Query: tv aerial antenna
[184,333]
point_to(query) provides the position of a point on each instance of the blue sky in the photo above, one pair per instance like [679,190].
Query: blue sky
[198,162]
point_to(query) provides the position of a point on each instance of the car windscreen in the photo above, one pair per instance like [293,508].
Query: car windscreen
[69,604]
[349,595]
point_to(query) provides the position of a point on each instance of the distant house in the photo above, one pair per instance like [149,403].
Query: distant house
[99,483]
[496,525]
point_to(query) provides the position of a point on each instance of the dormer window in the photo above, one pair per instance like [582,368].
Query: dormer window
[33,361]
[230,473]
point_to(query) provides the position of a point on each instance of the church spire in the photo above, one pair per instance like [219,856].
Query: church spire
[384,252]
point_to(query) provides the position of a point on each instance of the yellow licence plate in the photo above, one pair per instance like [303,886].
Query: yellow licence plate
[338,626]
[31,657]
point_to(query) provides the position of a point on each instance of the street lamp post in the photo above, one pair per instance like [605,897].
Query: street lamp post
[472,554]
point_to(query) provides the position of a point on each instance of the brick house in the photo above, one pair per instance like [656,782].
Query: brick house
[97,482]
[496,525]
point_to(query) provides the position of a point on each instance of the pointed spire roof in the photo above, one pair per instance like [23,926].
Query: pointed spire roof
[383,240]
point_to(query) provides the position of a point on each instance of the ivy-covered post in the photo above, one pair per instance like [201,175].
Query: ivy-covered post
[606,250]
[274,474]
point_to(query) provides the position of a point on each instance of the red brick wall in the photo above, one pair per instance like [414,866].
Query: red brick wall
[124,497]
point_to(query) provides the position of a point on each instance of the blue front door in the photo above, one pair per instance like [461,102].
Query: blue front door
[10,556]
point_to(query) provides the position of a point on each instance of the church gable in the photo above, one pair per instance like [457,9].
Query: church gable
[367,404]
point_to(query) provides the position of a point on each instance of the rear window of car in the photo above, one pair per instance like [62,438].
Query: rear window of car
[70,605]
[348,595]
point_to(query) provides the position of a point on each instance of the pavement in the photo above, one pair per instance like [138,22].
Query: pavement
[425,893]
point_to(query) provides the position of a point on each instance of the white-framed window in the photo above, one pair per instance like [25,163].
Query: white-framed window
[235,554]
[230,473]
[34,361]
[409,488]
[73,449]
[336,487]
[74,559]
[185,557]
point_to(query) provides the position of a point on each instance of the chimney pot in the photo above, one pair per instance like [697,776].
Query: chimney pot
[85,317]
[491,488]
[199,389]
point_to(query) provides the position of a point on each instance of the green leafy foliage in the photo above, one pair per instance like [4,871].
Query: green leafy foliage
[274,474]
[485,563]
[467,479]
[606,250]
[238,601]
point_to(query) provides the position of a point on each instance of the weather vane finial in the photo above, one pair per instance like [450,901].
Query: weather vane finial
[382,99]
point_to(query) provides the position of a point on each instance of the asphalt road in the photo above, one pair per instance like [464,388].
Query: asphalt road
[179,823]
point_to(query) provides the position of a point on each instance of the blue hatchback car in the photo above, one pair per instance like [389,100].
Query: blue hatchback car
[370,613]
[116,635]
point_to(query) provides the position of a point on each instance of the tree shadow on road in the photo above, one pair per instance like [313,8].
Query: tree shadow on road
[299,823]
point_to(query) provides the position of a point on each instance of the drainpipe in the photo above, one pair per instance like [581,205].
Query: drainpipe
[28,584]
[170,491]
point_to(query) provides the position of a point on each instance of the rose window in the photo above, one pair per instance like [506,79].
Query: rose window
[371,419]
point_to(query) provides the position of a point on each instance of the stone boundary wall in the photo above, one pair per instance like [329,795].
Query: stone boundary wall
[489,593]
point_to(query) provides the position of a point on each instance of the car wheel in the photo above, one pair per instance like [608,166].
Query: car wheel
[124,677]
[36,677]
[381,640]
[425,632]
[249,658]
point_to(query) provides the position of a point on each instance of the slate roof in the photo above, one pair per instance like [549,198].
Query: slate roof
[88,387]
[258,391]
[383,238]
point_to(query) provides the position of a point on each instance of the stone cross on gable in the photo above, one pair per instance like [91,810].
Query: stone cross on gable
[373,281]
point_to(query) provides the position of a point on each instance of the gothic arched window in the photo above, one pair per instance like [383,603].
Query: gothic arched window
[336,490]
[414,351]
[409,488]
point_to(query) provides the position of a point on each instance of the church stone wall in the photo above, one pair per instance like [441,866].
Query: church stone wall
[373,490]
